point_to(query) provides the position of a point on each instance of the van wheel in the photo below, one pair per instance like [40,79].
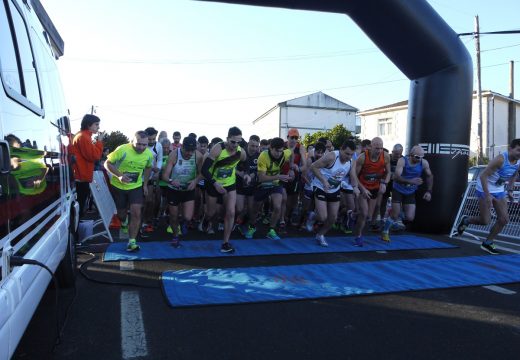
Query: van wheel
[67,270]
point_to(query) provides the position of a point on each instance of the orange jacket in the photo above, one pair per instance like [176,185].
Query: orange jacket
[86,155]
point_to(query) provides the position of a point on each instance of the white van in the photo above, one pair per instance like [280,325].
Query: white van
[38,210]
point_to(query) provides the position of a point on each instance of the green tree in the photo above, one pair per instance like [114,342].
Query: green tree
[114,139]
[338,135]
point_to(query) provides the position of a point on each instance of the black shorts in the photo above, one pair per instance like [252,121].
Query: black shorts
[319,194]
[123,198]
[176,197]
[263,193]
[244,190]
[347,191]
[211,191]
[292,187]
[397,197]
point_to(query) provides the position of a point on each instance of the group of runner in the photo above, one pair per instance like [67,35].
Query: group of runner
[237,183]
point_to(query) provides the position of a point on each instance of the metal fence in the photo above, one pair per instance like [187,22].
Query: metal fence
[469,207]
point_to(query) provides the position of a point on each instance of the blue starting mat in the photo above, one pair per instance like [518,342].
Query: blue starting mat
[296,282]
[162,250]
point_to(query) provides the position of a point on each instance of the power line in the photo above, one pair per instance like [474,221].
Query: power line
[229,60]
[187,102]
[503,32]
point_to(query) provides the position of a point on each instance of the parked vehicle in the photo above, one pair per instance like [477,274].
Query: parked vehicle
[474,172]
[38,211]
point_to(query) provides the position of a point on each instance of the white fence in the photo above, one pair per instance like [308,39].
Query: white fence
[469,207]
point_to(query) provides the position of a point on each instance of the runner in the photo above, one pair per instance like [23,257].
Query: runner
[372,174]
[270,163]
[245,200]
[182,174]
[329,172]
[130,165]
[491,191]
[407,178]
[219,170]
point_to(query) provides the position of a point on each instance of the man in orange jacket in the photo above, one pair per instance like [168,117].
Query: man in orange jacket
[86,152]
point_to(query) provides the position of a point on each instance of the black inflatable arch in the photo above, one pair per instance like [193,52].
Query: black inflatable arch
[420,43]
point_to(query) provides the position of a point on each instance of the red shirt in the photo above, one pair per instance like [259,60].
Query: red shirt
[86,155]
[372,171]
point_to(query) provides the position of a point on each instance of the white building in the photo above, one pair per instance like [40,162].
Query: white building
[390,123]
[309,114]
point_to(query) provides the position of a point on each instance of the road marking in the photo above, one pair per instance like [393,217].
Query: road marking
[381,251]
[126,265]
[133,337]
[500,290]
[497,246]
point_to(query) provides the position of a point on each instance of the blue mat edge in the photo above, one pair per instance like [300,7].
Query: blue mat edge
[223,255]
[163,289]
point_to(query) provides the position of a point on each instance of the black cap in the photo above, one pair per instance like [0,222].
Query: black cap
[189,143]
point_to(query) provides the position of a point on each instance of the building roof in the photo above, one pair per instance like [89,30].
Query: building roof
[404,104]
[318,100]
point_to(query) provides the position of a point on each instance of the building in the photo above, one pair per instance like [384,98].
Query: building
[390,122]
[309,114]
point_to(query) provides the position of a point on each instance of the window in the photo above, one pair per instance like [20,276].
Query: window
[16,59]
[385,127]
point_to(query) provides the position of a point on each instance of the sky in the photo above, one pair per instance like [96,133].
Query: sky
[202,67]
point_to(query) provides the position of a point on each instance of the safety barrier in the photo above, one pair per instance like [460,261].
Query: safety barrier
[469,207]
[104,203]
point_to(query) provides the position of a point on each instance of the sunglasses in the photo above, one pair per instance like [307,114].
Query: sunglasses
[294,137]
[417,157]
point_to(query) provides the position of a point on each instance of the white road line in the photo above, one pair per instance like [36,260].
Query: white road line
[133,337]
[126,265]
[500,290]
[381,251]
[497,246]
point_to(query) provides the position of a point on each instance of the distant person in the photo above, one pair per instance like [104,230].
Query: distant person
[130,165]
[491,191]
[87,152]
[176,141]
[152,200]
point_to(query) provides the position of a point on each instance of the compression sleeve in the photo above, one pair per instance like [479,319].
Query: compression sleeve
[205,170]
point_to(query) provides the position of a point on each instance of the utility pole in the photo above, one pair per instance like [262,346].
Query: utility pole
[480,155]
[511,119]
[92,110]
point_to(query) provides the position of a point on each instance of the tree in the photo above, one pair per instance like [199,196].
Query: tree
[338,135]
[114,139]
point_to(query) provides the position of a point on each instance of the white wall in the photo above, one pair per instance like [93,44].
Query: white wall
[399,131]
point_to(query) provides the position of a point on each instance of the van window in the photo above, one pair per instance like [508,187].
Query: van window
[24,82]
[9,65]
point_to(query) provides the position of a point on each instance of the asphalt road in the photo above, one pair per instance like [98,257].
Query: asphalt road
[104,319]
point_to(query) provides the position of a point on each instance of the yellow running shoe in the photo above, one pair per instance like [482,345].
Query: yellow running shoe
[385,236]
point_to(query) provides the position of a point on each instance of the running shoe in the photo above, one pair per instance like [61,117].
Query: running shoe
[358,241]
[227,248]
[250,232]
[385,236]
[210,230]
[321,240]
[220,226]
[200,226]
[132,246]
[175,242]
[169,229]
[490,248]
[271,234]
[266,220]
[463,224]
[309,224]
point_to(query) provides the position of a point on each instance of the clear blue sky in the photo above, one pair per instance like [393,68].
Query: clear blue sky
[203,67]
